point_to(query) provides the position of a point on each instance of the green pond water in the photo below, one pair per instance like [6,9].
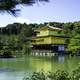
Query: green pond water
[17,68]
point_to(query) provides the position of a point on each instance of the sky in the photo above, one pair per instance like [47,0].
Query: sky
[53,11]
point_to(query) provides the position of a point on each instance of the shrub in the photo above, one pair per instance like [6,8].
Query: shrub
[58,75]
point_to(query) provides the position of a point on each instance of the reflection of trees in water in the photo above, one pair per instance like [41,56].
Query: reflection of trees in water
[61,59]
[64,63]
[40,63]
[58,59]
[30,64]
[59,63]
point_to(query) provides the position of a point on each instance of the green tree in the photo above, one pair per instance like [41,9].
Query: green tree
[74,45]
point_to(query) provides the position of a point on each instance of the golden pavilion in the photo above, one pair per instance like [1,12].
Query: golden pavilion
[48,39]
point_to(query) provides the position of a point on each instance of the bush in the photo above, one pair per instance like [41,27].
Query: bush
[76,74]
[58,75]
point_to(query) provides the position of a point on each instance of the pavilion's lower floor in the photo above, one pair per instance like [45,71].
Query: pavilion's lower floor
[54,48]
[47,49]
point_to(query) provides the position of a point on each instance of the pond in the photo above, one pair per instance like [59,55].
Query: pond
[17,68]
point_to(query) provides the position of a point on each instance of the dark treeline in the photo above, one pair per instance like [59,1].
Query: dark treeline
[14,29]
[15,37]
[17,28]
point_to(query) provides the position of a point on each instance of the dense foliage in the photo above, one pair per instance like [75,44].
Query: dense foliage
[58,75]
[16,37]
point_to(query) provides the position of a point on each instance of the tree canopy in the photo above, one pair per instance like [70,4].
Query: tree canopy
[10,5]
[16,37]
